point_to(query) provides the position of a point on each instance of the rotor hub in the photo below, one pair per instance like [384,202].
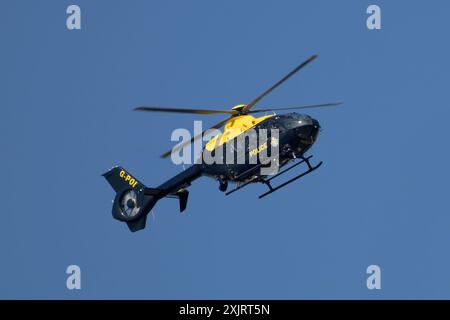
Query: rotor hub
[239,108]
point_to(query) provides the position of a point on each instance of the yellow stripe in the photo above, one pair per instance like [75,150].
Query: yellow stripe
[233,128]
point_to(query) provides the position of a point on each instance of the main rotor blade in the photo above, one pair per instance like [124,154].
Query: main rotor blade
[181,146]
[265,93]
[185,110]
[334,104]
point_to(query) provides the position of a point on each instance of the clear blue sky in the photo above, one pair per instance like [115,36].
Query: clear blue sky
[381,196]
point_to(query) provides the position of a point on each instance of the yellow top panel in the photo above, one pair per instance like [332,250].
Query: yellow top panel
[233,128]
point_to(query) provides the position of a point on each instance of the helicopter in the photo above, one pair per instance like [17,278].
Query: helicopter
[291,136]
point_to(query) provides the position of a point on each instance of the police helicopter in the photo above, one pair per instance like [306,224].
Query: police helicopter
[295,134]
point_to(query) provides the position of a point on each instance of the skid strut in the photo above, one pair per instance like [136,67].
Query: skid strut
[255,179]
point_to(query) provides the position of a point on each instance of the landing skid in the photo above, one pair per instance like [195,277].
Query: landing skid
[267,181]
[273,189]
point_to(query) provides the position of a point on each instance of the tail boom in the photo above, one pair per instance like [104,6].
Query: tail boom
[133,200]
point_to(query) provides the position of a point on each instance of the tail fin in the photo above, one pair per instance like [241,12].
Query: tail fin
[133,199]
